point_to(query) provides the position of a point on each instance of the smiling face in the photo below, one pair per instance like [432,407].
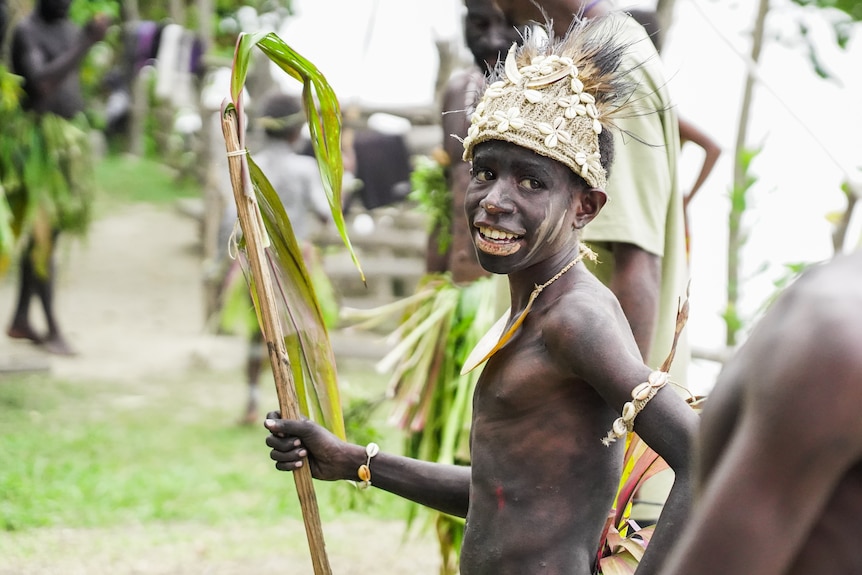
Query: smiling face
[524,208]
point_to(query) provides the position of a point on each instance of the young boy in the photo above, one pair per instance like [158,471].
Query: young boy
[566,368]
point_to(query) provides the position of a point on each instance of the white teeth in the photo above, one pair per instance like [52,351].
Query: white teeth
[496,234]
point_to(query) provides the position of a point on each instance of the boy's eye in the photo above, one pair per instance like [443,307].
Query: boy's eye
[483,175]
[531,184]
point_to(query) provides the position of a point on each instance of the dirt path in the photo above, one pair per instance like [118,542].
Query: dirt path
[130,301]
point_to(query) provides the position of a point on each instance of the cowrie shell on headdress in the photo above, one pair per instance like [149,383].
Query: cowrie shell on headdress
[577,85]
[533,96]
[629,411]
[495,90]
[620,428]
[597,126]
[587,98]
[509,119]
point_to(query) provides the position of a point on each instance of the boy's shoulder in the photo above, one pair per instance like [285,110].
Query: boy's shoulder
[588,306]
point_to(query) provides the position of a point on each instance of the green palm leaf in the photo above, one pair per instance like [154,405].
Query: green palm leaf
[289,312]
[312,363]
[321,108]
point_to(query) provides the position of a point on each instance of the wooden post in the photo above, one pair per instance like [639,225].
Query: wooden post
[248,213]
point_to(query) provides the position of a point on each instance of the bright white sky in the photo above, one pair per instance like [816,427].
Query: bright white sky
[382,51]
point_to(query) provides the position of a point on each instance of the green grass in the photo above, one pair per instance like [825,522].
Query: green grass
[123,178]
[101,454]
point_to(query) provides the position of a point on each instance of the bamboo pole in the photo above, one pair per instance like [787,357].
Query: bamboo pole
[250,222]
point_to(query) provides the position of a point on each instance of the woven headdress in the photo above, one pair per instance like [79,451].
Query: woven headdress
[555,97]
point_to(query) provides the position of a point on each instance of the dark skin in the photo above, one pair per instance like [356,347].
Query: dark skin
[47,50]
[541,483]
[779,478]
[637,274]
[488,36]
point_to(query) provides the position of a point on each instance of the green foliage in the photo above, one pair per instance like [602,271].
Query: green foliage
[46,176]
[82,11]
[851,12]
[432,402]
[10,95]
[431,193]
[852,8]
[739,196]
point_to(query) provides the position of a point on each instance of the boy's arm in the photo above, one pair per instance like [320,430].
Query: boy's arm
[668,425]
[602,351]
[445,488]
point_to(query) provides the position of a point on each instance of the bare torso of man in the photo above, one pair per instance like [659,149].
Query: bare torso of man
[37,47]
[781,450]
[538,460]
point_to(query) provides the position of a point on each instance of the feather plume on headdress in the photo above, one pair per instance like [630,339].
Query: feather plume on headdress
[556,96]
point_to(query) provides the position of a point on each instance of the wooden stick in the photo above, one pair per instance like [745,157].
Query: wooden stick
[250,222]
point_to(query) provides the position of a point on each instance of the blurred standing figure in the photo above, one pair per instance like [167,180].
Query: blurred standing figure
[779,474]
[47,50]
[688,131]
[488,35]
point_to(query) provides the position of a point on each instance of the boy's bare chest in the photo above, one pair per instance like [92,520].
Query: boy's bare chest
[523,381]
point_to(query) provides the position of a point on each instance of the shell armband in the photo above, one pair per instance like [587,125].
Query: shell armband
[640,397]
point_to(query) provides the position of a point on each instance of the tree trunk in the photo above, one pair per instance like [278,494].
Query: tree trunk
[177,12]
[129,10]
[206,19]
[735,233]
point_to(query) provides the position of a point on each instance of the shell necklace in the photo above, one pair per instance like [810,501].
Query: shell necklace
[486,347]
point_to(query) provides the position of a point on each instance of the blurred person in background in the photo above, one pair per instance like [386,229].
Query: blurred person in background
[488,36]
[47,50]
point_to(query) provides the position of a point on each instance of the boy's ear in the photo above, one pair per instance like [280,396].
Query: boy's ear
[589,203]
